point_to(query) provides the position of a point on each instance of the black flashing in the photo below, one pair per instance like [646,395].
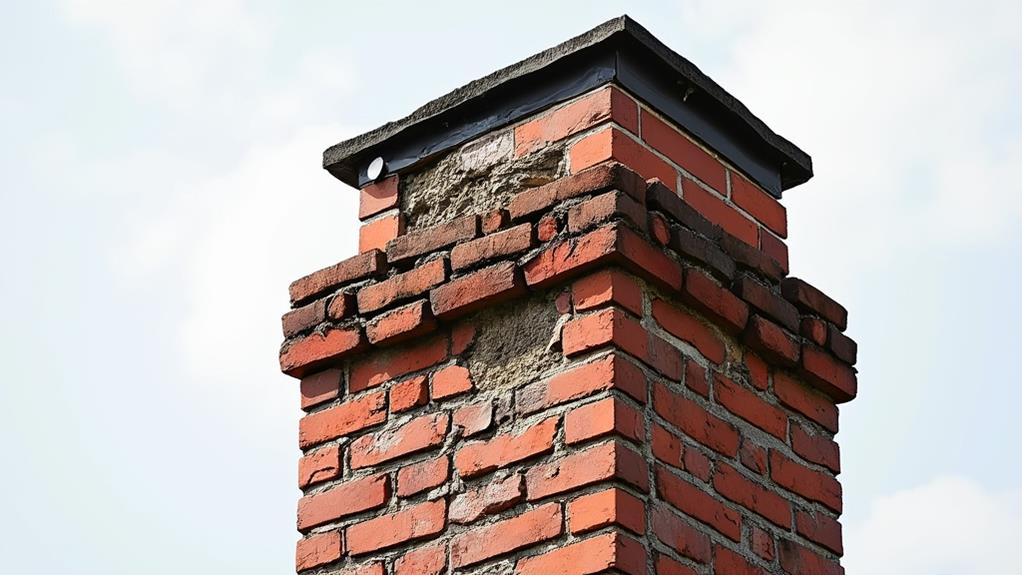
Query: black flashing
[619,51]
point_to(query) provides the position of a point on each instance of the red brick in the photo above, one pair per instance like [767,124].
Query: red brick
[377,197]
[812,300]
[728,482]
[422,476]
[563,302]
[382,367]
[307,353]
[689,329]
[759,204]
[609,372]
[815,448]
[759,371]
[424,560]
[667,140]
[342,305]
[614,327]
[667,200]
[488,499]
[431,239]
[407,322]
[796,560]
[820,528]
[498,245]
[606,105]
[367,569]
[667,446]
[762,543]
[605,553]
[490,222]
[482,457]
[547,228]
[341,420]
[375,234]
[479,289]
[463,335]
[353,269]
[659,229]
[695,378]
[751,407]
[806,401]
[609,416]
[343,500]
[813,485]
[842,346]
[473,418]
[774,248]
[320,387]
[727,561]
[612,205]
[667,566]
[772,341]
[410,523]
[320,465]
[697,503]
[691,245]
[604,462]
[718,211]
[679,535]
[401,287]
[304,318]
[769,303]
[815,329]
[613,144]
[420,434]
[606,176]
[612,506]
[409,394]
[489,541]
[749,256]
[319,549]
[753,457]
[829,375]
[692,419]
[451,381]
[706,295]
[605,287]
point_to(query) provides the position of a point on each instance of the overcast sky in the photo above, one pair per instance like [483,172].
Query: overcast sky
[162,186]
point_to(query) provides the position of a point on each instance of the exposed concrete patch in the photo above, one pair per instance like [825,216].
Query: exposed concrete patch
[476,178]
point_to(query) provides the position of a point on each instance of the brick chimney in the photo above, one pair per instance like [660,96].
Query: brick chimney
[569,344]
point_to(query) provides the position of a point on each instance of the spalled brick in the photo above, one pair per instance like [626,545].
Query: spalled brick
[695,421]
[664,198]
[691,245]
[842,346]
[473,419]
[463,335]
[609,372]
[377,197]
[689,329]
[487,499]
[424,241]
[423,560]
[410,523]
[451,381]
[481,457]
[407,322]
[766,301]
[605,553]
[342,500]
[604,462]
[610,175]
[613,327]
[420,434]
[479,289]
[320,387]
[608,104]
[409,394]
[772,341]
[342,306]
[547,228]
[796,559]
[746,404]
[762,543]
[670,142]
[375,568]
[344,419]
[612,205]
[308,353]
[353,269]
[381,367]
[489,541]
[813,485]
[697,503]
[815,448]
[814,329]
[735,487]
[719,211]
[659,229]
[402,287]
[614,144]
[812,300]
[820,528]
[607,287]
[318,550]
[422,476]
[703,293]
[759,204]
[805,400]
[495,220]
[303,318]
[498,245]
[609,416]
[829,375]
[612,506]
[749,257]
[376,233]
[685,539]
[320,465]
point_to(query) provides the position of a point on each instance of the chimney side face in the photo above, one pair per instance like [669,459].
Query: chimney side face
[569,346]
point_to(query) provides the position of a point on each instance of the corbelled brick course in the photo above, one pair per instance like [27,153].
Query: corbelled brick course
[679,414]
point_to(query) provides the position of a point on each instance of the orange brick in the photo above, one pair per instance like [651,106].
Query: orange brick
[319,549]
[670,142]
[420,434]
[607,287]
[608,552]
[718,211]
[604,462]
[477,290]
[611,506]
[489,541]
[709,297]
[401,287]
[426,240]
[697,503]
[473,418]
[609,372]
[343,500]
[425,560]
[679,535]
[805,400]
[601,418]
[407,322]
[377,197]
[320,465]
[497,245]
[612,327]
[321,387]
[735,487]
[451,381]
[409,394]
[382,367]
[692,419]
[421,476]
[502,450]
[599,178]
[344,419]
[493,497]
[410,523]
[375,234]
[305,354]
[608,104]
[613,144]
[689,329]
[356,268]
[746,404]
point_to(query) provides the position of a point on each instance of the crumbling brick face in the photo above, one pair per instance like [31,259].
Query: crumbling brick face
[679,416]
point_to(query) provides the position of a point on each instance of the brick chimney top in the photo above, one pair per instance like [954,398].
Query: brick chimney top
[618,51]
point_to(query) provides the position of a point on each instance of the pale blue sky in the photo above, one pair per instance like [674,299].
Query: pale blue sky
[162,187]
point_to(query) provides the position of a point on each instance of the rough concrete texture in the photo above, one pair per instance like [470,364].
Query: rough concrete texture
[478,177]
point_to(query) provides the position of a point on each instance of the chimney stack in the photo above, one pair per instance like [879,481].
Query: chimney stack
[569,344]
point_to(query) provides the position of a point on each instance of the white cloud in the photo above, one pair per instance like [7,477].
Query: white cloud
[951,525]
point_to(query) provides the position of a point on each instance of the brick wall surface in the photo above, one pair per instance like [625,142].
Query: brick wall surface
[610,373]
